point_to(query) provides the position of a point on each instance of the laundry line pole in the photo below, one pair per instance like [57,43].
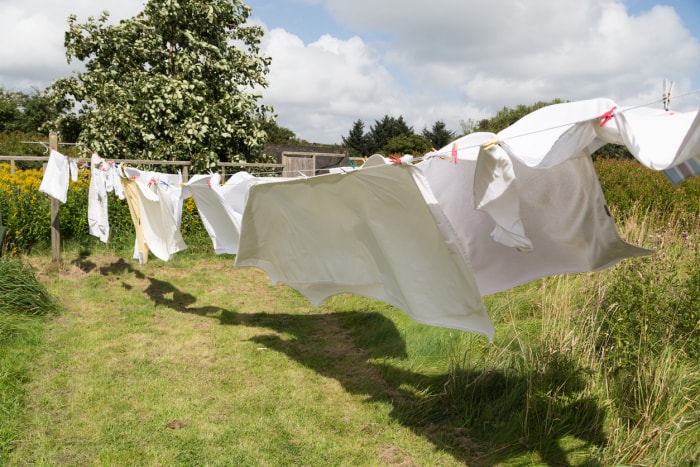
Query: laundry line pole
[55,228]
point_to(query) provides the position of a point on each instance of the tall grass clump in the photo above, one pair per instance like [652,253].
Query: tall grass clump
[648,348]
[20,291]
[593,368]
[24,302]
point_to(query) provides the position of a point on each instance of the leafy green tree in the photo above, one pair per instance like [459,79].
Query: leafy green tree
[416,145]
[383,130]
[439,136]
[357,142]
[28,113]
[276,134]
[504,118]
[9,111]
[177,81]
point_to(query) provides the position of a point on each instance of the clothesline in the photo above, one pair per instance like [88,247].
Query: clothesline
[430,238]
[554,127]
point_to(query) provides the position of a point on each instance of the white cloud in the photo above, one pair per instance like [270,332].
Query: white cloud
[440,60]
[319,89]
[32,34]
[500,52]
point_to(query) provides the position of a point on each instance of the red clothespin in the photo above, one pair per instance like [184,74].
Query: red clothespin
[395,159]
[606,117]
[454,153]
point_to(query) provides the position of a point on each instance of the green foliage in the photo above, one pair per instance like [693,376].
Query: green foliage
[23,302]
[613,151]
[357,142]
[384,130]
[11,145]
[28,113]
[392,135]
[278,134]
[439,136]
[651,304]
[504,118]
[25,211]
[407,144]
[629,186]
[176,81]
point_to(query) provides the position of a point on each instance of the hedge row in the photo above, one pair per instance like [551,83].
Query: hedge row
[26,212]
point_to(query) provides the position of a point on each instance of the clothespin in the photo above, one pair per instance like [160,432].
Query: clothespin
[352,164]
[395,159]
[606,117]
[454,153]
[488,145]
[666,96]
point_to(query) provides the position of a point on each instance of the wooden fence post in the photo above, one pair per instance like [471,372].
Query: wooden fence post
[55,230]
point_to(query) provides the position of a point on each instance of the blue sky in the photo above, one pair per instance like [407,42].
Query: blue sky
[336,61]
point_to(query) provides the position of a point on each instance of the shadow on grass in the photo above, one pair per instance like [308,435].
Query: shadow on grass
[160,292]
[480,416]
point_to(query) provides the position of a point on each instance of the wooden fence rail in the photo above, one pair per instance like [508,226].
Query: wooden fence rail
[184,164]
[292,164]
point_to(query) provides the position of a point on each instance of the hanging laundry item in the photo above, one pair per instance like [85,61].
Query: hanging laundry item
[220,218]
[559,133]
[221,206]
[158,212]
[131,192]
[554,221]
[59,171]
[98,217]
[376,231]
[104,179]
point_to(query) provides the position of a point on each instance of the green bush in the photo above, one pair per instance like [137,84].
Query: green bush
[650,304]
[628,185]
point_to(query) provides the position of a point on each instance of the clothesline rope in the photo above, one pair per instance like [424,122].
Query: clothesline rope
[429,155]
[657,101]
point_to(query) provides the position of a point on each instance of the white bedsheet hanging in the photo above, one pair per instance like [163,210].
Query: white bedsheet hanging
[557,134]
[376,232]
[560,211]
[220,218]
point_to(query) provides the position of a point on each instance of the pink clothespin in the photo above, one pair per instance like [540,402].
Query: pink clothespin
[606,117]
[395,159]
[454,153]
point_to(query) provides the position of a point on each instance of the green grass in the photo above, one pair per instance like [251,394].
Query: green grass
[194,362]
[23,304]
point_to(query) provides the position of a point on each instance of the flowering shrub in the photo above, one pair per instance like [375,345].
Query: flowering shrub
[25,211]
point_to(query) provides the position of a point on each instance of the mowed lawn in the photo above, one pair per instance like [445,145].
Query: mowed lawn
[195,362]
